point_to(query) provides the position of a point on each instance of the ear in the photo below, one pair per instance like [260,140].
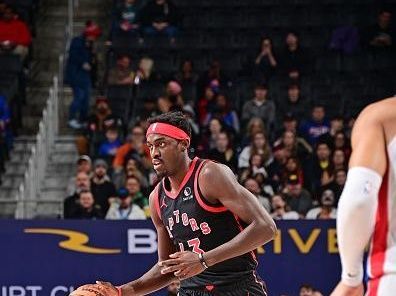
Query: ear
[184,144]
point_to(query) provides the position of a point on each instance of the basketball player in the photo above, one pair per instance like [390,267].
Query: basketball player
[208,225]
[367,208]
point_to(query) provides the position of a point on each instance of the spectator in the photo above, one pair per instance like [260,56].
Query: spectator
[173,288]
[306,290]
[132,169]
[214,76]
[5,123]
[254,126]
[293,58]
[101,186]
[136,147]
[98,122]
[209,138]
[322,167]
[109,147]
[174,93]
[86,208]
[256,166]
[280,209]
[187,74]
[78,74]
[122,73]
[127,19]
[336,125]
[223,152]
[260,107]
[382,34]
[223,110]
[289,123]
[253,186]
[207,103]
[295,146]
[294,105]
[297,198]
[84,164]
[293,170]
[342,143]
[275,167]
[259,145]
[71,203]
[315,127]
[122,208]
[339,161]
[337,185]
[132,184]
[265,62]
[145,71]
[327,209]
[15,36]
[160,17]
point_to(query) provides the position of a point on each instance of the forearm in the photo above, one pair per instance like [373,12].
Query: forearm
[249,239]
[151,281]
[356,220]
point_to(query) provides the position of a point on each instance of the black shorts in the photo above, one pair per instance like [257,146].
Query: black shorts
[248,287]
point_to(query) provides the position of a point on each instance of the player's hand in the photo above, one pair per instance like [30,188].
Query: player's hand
[100,288]
[183,265]
[344,290]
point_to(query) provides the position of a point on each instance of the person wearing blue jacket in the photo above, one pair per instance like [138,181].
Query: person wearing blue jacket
[78,74]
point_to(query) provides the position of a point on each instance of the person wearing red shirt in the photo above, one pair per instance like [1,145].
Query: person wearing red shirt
[15,36]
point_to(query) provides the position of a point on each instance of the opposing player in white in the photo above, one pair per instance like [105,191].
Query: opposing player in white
[367,208]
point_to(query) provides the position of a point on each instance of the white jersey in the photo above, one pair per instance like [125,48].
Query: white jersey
[381,263]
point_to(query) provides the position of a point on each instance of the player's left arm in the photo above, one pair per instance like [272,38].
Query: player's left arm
[218,184]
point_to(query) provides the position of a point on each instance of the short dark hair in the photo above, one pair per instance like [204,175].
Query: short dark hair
[177,119]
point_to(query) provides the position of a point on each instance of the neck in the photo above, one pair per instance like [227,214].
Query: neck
[176,179]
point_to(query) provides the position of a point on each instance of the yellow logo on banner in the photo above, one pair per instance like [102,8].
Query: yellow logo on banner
[76,241]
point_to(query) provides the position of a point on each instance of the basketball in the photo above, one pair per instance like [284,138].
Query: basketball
[87,290]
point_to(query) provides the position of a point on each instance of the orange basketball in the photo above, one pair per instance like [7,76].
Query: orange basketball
[88,290]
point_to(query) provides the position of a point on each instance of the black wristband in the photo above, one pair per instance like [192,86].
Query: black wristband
[202,260]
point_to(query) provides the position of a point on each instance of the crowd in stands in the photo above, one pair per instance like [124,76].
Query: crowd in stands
[16,33]
[286,139]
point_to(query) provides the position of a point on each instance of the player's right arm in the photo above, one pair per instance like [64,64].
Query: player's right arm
[153,279]
[359,200]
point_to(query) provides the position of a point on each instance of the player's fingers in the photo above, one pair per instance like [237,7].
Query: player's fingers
[183,274]
[107,284]
[169,262]
[172,268]
[177,254]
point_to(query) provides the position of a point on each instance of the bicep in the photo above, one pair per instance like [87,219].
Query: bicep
[220,184]
[368,143]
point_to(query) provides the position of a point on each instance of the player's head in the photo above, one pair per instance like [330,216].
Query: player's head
[168,138]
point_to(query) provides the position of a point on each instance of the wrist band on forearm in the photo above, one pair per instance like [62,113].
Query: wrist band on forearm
[202,260]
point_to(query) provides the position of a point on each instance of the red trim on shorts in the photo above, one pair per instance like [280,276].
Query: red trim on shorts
[372,287]
[185,179]
[199,198]
[379,242]
[156,201]
[241,229]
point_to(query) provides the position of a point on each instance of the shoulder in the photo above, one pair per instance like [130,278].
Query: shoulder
[215,174]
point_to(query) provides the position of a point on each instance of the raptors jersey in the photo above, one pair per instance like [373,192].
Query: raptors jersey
[196,225]
[381,263]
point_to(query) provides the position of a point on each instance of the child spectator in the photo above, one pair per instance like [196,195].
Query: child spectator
[110,146]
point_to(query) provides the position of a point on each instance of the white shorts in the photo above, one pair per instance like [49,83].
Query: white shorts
[386,286]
